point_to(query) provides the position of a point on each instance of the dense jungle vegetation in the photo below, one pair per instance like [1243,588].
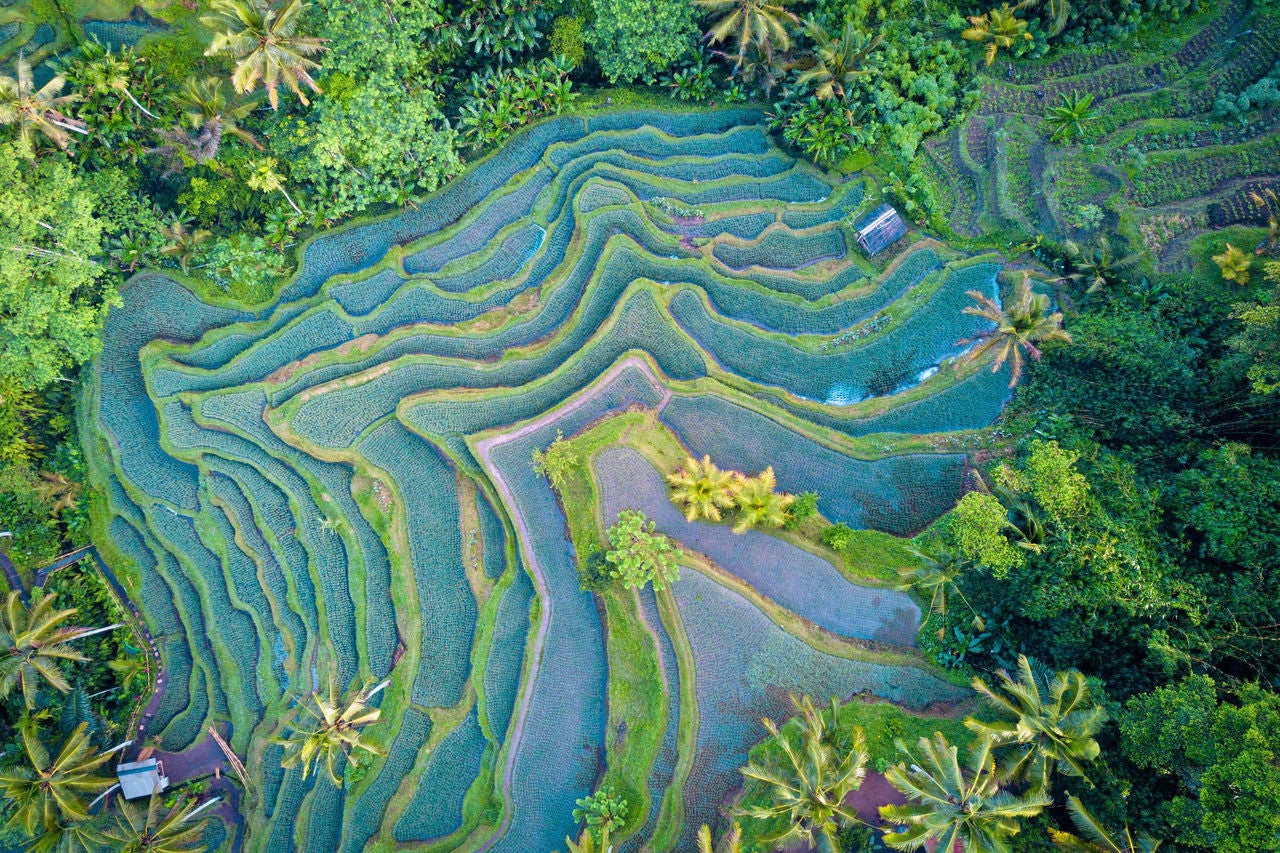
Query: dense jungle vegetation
[1110,581]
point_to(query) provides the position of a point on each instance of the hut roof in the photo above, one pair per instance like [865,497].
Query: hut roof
[879,229]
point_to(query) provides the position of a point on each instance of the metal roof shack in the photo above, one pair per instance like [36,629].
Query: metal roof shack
[880,229]
[140,778]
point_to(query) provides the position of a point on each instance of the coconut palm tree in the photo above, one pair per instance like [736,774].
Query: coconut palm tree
[1048,722]
[1071,118]
[1234,263]
[182,242]
[33,642]
[702,489]
[837,61]
[208,108]
[103,70]
[1019,328]
[1099,267]
[69,836]
[336,732]
[809,781]
[156,829]
[265,44]
[999,28]
[37,110]
[964,808]
[759,502]
[1098,838]
[44,791]
[758,23]
[937,574]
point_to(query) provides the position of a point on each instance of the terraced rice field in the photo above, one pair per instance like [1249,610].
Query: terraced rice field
[337,488]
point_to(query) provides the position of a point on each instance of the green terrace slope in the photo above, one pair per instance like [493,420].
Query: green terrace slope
[336,488]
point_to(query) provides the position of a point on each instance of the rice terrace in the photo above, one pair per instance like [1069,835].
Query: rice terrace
[687,426]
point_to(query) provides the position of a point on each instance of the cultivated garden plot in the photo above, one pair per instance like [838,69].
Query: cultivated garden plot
[336,488]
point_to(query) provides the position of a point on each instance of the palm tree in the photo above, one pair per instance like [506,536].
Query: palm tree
[37,109]
[337,733]
[1019,327]
[208,108]
[182,242]
[730,843]
[758,23]
[139,830]
[759,502]
[702,489]
[964,808]
[265,44]
[1049,722]
[937,574]
[999,28]
[44,792]
[33,641]
[1071,118]
[809,782]
[1267,203]
[1234,263]
[130,671]
[836,62]
[68,836]
[1097,838]
[1099,267]
[106,71]
[265,178]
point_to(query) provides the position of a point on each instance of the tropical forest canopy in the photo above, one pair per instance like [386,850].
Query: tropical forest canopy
[484,417]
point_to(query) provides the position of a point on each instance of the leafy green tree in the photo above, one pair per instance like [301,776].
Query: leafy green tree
[1071,118]
[809,780]
[803,508]
[1048,721]
[1020,327]
[34,641]
[702,490]
[761,24]
[53,291]
[557,463]
[837,62]
[265,44]
[1219,757]
[962,808]
[999,29]
[976,530]
[43,790]
[1259,337]
[759,502]
[379,141]
[36,110]
[605,812]
[1097,837]
[333,732]
[639,39]
[567,40]
[155,829]
[639,555]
